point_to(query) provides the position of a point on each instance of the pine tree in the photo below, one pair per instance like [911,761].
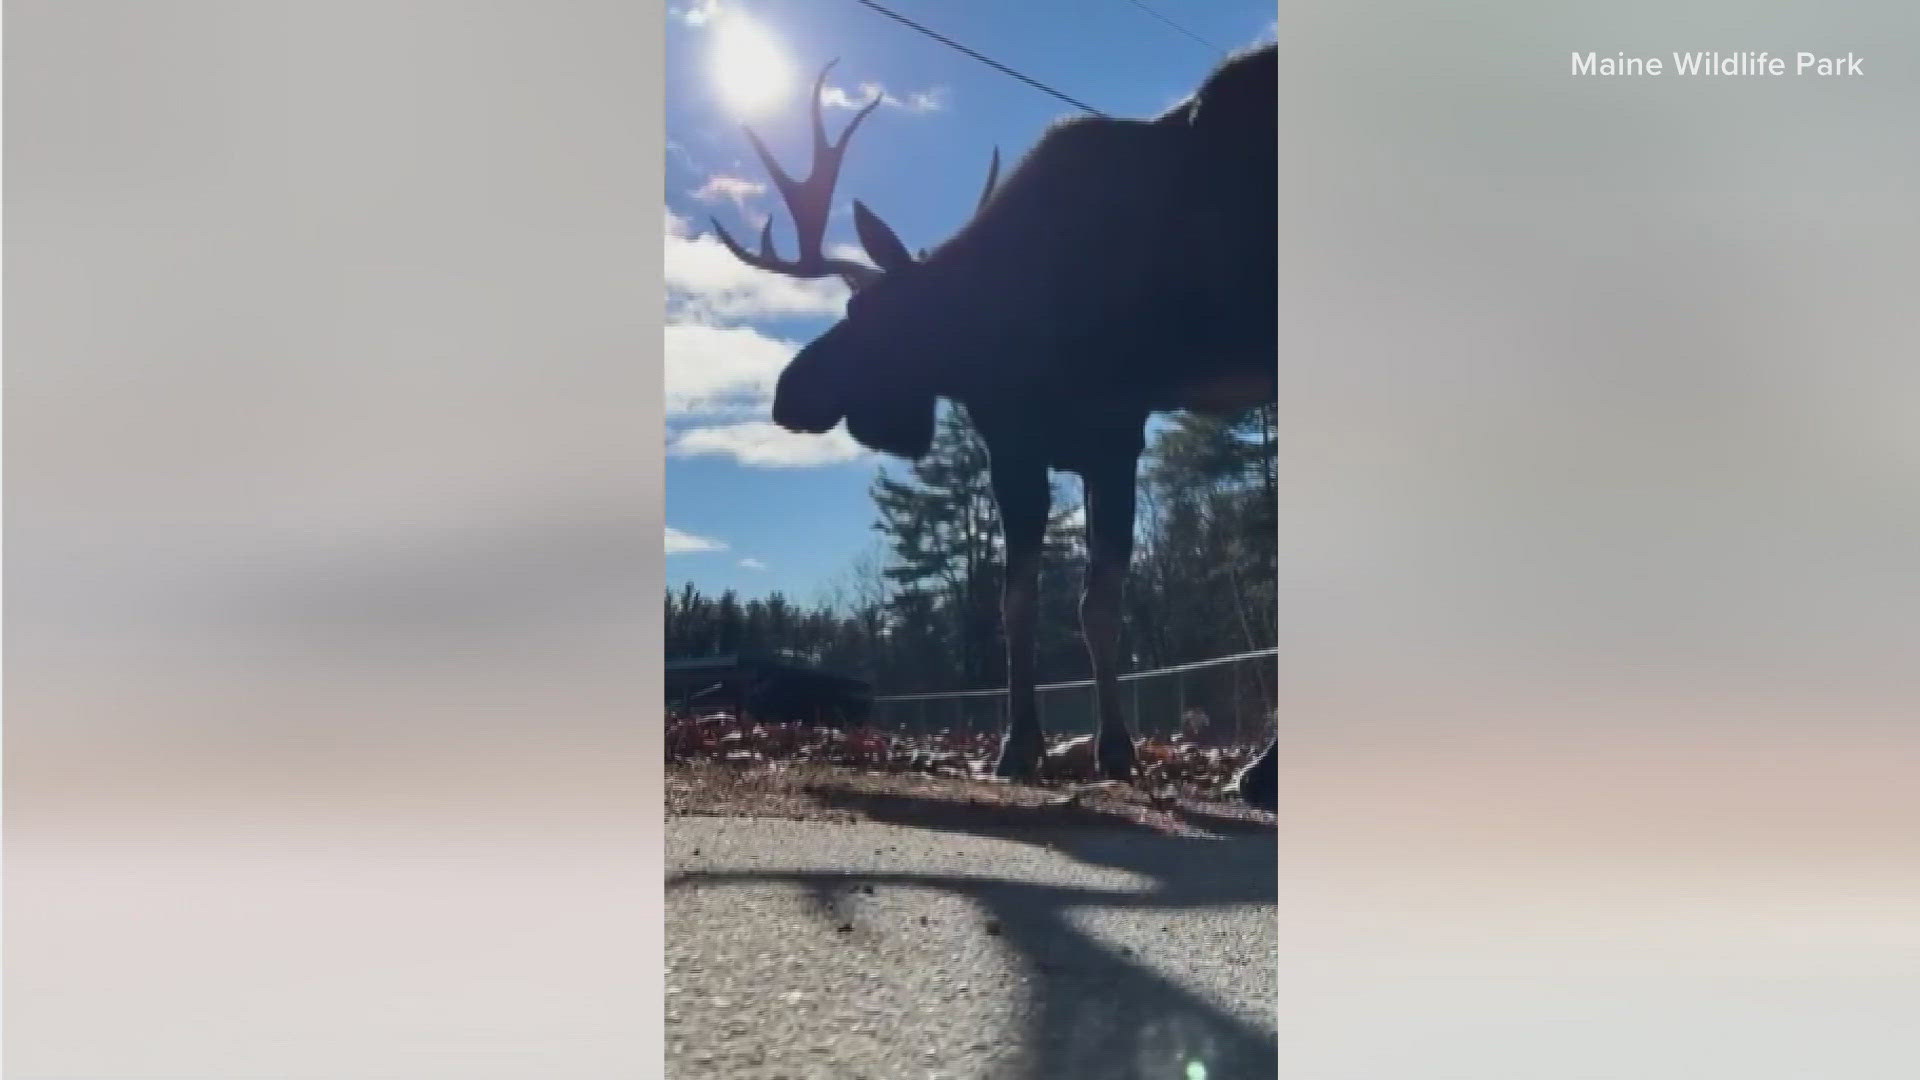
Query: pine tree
[942,528]
[925,614]
[947,562]
[1209,559]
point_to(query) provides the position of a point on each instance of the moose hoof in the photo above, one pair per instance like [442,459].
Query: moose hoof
[1115,754]
[1258,784]
[1018,760]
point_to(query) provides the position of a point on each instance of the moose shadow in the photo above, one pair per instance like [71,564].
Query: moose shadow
[1097,1010]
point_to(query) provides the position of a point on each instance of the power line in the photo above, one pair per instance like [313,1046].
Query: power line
[987,60]
[1177,26]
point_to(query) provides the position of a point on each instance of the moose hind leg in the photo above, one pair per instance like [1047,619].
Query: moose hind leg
[1110,507]
[1259,783]
[1023,498]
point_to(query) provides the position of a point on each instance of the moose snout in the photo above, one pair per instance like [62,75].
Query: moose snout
[805,398]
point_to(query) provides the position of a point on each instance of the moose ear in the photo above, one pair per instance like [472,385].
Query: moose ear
[884,248]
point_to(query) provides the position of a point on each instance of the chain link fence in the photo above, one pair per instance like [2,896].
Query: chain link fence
[1227,700]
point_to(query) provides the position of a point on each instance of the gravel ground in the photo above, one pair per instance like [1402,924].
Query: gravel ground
[985,947]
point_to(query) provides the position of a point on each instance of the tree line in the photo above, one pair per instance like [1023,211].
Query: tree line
[923,614]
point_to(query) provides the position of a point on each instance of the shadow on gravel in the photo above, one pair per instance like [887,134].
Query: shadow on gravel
[1099,1011]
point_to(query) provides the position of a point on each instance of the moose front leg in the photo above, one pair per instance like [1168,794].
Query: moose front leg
[1110,505]
[1020,488]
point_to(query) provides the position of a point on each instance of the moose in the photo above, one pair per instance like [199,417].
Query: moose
[1123,267]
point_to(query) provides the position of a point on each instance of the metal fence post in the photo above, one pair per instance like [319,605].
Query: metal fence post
[1236,709]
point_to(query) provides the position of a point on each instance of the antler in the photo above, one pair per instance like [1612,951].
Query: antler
[808,201]
[993,177]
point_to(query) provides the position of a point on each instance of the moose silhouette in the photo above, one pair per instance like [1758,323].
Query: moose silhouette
[1123,267]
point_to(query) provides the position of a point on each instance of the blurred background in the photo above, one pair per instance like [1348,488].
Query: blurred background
[332,513]
[1599,540]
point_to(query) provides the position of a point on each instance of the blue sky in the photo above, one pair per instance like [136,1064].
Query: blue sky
[756,509]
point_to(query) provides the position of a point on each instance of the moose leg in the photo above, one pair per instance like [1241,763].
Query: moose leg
[1110,499]
[1020,488]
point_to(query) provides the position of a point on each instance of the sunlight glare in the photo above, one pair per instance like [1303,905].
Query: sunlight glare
[749,67]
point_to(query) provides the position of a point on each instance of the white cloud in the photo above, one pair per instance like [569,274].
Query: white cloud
[932,99]
[680,543]
[766,444]
[697,14]
[733,189]
[752,564]
[706,283]
[847,251]
[720,368]
[680,153]
[719,373]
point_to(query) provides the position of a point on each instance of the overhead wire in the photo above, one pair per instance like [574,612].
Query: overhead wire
[1177,26]
[987,60]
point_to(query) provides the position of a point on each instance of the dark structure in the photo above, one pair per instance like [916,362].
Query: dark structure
[1124,267]
[769,687]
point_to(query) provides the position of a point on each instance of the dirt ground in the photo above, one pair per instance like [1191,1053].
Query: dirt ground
[825,792]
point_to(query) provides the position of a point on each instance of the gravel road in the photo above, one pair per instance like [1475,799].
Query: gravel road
[818,949]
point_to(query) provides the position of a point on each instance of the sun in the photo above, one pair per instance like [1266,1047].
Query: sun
[749,67]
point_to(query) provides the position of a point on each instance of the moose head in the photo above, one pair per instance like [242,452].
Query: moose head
[886,400]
